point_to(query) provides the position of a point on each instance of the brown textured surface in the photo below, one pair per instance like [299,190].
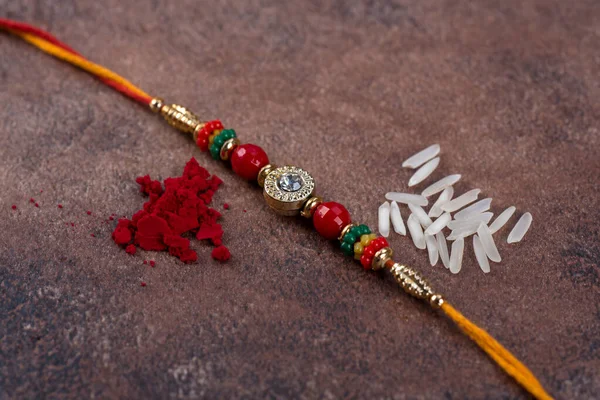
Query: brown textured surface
[509,89]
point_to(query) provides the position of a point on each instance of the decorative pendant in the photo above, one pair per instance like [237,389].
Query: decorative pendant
[287,188]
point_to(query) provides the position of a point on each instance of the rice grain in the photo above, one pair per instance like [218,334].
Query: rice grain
[520,229]
[421,157]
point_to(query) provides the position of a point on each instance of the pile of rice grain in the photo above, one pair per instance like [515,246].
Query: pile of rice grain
[461,216]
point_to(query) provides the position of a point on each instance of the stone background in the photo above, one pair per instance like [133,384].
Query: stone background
[347,90]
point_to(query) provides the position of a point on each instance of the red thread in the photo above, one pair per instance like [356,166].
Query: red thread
[60,206]
[143,284]
[14,207]
[37,205]
[152,263]
[226,206]
[88,212]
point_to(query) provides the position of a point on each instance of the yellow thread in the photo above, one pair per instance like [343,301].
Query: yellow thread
[80,62]
[498,353]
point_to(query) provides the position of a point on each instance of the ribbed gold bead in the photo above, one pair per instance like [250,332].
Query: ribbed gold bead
[310,206]
[381,257]
[262,174]
[228,148]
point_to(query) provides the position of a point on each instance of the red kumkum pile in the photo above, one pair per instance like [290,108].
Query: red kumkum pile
[180,208]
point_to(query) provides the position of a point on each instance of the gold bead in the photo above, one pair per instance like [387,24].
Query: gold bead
[345,230]
[381,257]
[262,174]
[310,206]
[436,300]
[156,104]
[228,148]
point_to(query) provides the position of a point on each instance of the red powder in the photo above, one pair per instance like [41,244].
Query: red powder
[14,207]
[152,264]
[92,235]
[226,206]
[88,212]
[72,223]
[180,207]
[37,205]
[244,210]
[130,249]
[145,262]
[143,284]
[111,218]
[221,253]
[32,200]
[60,206]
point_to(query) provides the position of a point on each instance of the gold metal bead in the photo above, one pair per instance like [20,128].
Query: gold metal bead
[228,148]
[156,104]
[345,230]
[264,171]
[436,301]
[381,258]
[310,206]
[180,117]
[287,188]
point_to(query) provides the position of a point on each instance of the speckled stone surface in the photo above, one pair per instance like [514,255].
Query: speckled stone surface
[510,90]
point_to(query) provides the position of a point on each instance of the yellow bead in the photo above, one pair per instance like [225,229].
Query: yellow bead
[358,248]
[365,240]
[357,256]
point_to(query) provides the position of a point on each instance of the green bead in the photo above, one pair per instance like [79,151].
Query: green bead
[364,230]
[215,151]
[347,248]
[227,134]
[219,140]
[350,238]
[356,232]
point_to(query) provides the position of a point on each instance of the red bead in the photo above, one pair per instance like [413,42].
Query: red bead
[366,261]
[247,161]
[330,218]
[370,251]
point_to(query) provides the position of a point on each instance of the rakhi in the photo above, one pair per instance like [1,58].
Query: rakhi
[290,191]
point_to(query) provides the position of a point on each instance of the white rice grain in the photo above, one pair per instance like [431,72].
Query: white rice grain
[384,219]
[474,209]
[473,221]
[421,157]
[520,229]
[414,227]
[442,247]
[480,255]
[407,198]
[397,222]
[461,200]
[487,241]
[432,250]
[445,196]
[456,256]
[421,215]
[502,219]
[438,224]
[423,172]
[441,185]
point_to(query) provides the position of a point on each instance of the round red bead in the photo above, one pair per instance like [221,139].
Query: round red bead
[247,161]
[330,218]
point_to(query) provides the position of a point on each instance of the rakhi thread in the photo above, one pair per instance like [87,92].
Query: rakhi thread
[331,219]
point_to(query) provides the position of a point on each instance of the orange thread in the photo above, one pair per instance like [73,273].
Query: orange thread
[51,45]
[498,353]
